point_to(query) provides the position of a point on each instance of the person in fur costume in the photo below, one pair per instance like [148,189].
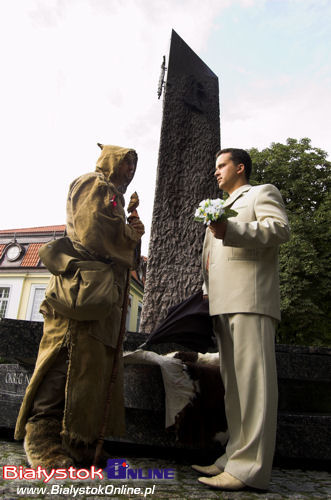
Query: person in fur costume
[63,407]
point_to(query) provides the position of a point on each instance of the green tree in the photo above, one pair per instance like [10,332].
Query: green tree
[302,174]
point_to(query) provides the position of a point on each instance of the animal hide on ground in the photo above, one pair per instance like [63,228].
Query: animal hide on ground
[194,394]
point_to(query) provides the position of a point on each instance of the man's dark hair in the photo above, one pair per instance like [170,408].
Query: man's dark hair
[239,156]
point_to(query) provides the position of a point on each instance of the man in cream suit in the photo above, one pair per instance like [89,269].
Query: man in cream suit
[240,268]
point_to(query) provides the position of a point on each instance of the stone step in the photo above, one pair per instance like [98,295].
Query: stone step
[299,435]
[304,373]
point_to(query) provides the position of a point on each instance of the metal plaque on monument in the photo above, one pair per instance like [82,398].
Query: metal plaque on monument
[190,138]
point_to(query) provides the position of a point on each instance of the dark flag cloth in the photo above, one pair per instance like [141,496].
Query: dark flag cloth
[187,324]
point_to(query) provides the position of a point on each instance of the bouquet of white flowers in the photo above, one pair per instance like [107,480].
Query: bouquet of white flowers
[213,211]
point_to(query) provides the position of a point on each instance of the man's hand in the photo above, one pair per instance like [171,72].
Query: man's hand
[218,229]
[137,225]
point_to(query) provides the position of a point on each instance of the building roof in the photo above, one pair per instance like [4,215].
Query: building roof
[2,247]
[40,229]
[31,257]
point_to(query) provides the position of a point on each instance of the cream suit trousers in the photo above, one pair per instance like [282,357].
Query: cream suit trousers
[248,367]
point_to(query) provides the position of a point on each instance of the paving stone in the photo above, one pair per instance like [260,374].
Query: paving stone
[286,483]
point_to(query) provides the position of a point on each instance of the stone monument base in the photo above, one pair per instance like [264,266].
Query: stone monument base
[304,379]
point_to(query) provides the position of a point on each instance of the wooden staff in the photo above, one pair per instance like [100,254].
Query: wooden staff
[134,202]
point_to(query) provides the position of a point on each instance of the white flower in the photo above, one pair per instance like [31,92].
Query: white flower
[212,210]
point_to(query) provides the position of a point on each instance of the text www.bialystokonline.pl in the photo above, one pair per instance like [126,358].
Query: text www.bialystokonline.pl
[73,491]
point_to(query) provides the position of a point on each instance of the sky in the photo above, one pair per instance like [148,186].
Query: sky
[78,72]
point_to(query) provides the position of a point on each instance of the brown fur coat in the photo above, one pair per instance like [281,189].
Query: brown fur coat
[97,227]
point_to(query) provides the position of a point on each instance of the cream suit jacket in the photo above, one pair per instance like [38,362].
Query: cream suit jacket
[243,268]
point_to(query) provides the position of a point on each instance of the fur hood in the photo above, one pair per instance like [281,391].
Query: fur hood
[111,158]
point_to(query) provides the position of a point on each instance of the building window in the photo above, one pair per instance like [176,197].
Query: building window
[38,297]
[140,306]
[128,314]
[4,297]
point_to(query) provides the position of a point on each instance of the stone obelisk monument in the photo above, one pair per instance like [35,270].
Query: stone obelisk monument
[190,138]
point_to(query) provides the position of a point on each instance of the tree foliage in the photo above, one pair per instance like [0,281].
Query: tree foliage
[302,174]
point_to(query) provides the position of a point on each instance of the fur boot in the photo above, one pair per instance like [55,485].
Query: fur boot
[83,454]
[43,445]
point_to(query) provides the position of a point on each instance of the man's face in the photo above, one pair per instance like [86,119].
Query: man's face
[125,173]
[228,174]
